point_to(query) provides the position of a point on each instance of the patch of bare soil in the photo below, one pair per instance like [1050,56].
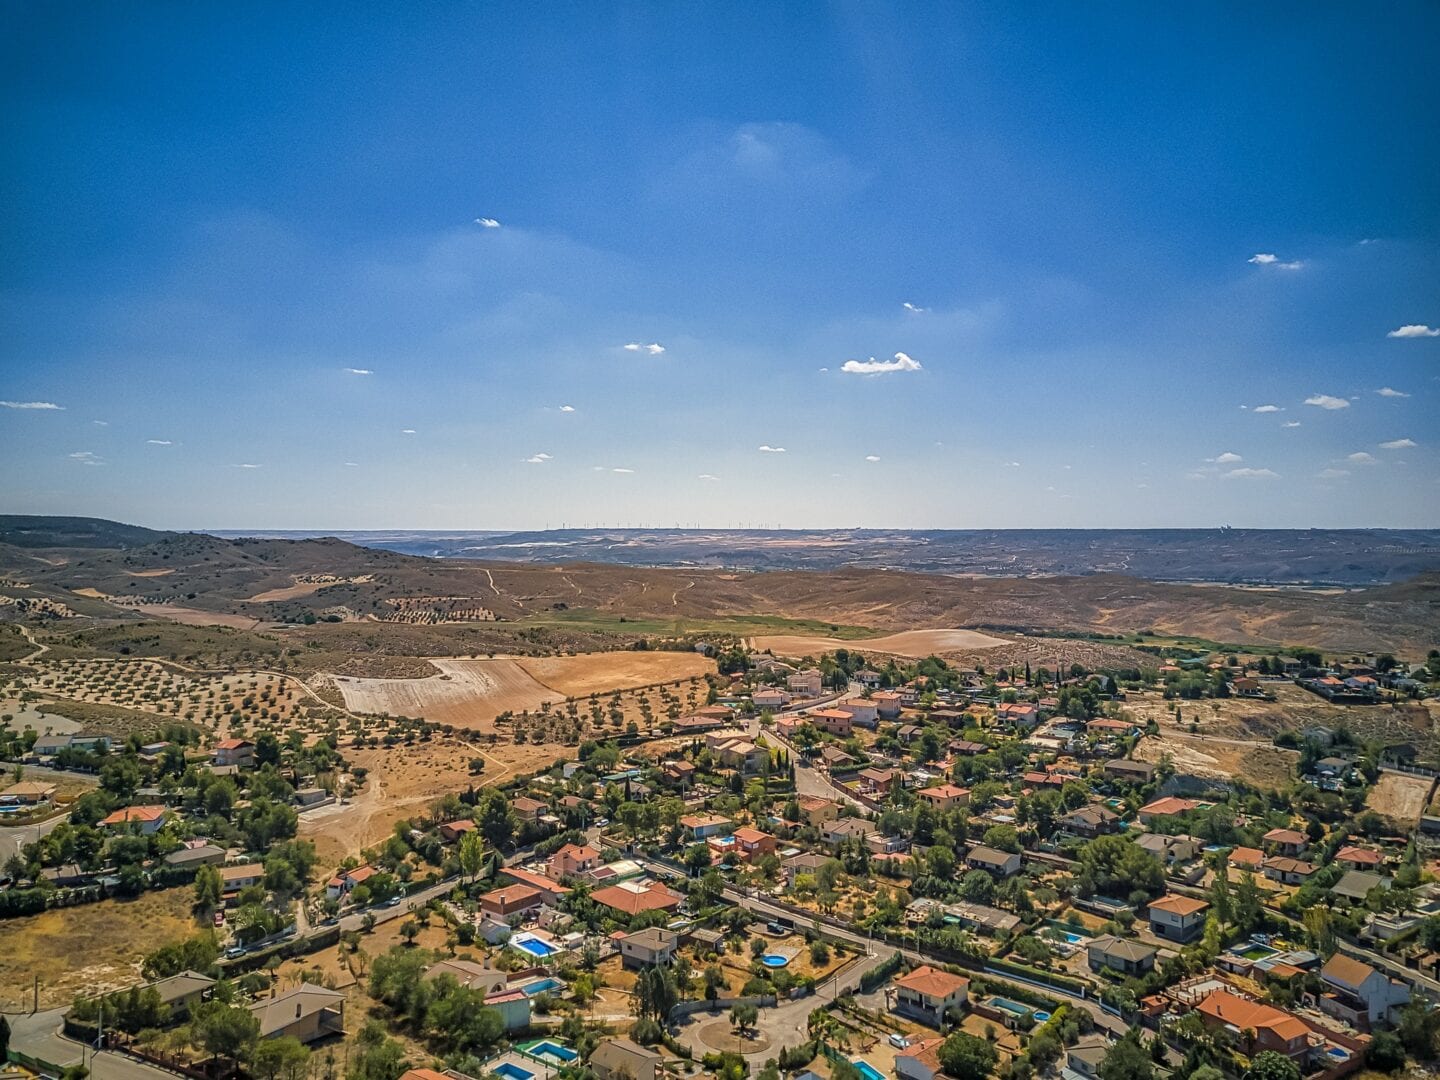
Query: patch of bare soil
[916,644]
[597,673]
[1400,797]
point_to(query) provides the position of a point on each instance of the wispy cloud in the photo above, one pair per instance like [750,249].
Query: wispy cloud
[1012,465]
[1399,444]
[1266,258]
[407,431]
[1226,458]
[1291,423]
[772,449]
[1267,408]
[872,457]
[352,464]
[1252,474]
[1390,391]
[358,371]
[880,367]
[1414,330]
[654,348]
[537,459]
[245,465]
[85,457]
[625,471]
[1332,474]
[567,408]
[159,442]
[913,309]
[1326,401]
[489,223]
[707,476]
[1360,457]
[46,405]
[101,423]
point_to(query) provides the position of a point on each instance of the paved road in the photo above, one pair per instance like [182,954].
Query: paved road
[38,1036]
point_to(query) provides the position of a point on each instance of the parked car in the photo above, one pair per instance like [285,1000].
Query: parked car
[394,901]
[219,918]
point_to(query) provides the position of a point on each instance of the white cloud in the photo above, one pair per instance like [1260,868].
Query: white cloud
[1332,474]
[489,223]
[1326,401]
[872,457]
[1267,408]
[708,476]
[31,405]
[1360,457]
[622,470]
[772,449]
[85,457]
[1226,458]
[654,348]
[1390,391]
[1252,474]
[407,431]
[880,367]
[1414,330]
[567,408]
[537,459]
[352,464]
[358,371]
[1266,258]
[913,309]
[245,465]
[1291,423]
[1399,444]
[101,423]
[159,442]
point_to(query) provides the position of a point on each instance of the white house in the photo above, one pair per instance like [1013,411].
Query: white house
[1358,994]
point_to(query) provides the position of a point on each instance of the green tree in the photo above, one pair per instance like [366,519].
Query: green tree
[1271,1065]
[743,1017]
[1127,1060]
[226,1031]
[376,1056]
[471,854]
[209,888]
[967,1057]
[282,1057]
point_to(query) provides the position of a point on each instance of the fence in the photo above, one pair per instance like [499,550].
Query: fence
[689,1008]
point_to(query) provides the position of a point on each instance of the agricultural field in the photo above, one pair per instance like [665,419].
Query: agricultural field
[915,644]
[78,948]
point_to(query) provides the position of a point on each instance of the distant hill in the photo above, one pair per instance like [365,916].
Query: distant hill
[28,531]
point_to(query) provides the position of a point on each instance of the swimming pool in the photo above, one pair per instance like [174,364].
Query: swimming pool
[868,1071]
[511,1071]
[552,1051]
[534,946]
[544,986]
[1041,1016]
[1014,1008]
[774,960]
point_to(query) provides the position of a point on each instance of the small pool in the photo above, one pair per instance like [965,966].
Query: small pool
[534,946]
[1259,952]
[1339,1053]
[552,1051]
[544,986]
[774,960]
[510,1071]
[1041,1015]
[1014,1008]
[868,1071]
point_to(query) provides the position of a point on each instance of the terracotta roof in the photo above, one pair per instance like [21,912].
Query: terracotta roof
[1350,853]
[932,982]
[945,791]
[1252,1015]
[423,1074]
[1169,805]
[578,852]
[1247,856]
[231,744]
[1178,905]
[135,813]
[512,894]
[751,836]
[632,901]
[1285,836]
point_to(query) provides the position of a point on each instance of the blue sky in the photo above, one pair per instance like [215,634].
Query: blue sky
[279,271]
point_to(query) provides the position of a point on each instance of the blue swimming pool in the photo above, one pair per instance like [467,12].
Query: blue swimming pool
[1041,1016]
[1014,1008]
[511,1071]
[552,1051]
[774,960]
[534,946]
[868,1071]
[544,986]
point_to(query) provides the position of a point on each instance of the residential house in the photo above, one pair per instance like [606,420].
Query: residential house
[1085,1057]
[1355,885]
[880,781]
[451,831]
[29,793]
[928,994]
[631,898]
[1134,772]
[807,863]
[743,756]
[920,1060]
[752,844]
[817,811]
[511,900]
[237,752]
[1017,716]
[513,1007]
[1171,849]
[346,880]
[679,772]
[1165,807]
[308,1012]
[1358,994]
[835,721]
[1288,871]
[832,757]
[805,683]
[469,974]
[842,829]
[1255,1026]
[1104,726]
[234,879]
[887,704]
[621,1059]
[1120,954]
[196,853]
[183,992]
[862,712]
[1247,858]
[572,860]
[1358,858]
[147,820]
[1285,842]
[648,947]
[1094,819]
[769,697]
[528,809]
[1000,863]
[704,826]
[944,796]
[1177,918]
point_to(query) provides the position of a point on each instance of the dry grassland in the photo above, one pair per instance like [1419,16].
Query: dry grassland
[916,644]
[1400,797]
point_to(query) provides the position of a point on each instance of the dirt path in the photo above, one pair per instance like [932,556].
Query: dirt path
[491,578]
[40,648]
[675,596]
